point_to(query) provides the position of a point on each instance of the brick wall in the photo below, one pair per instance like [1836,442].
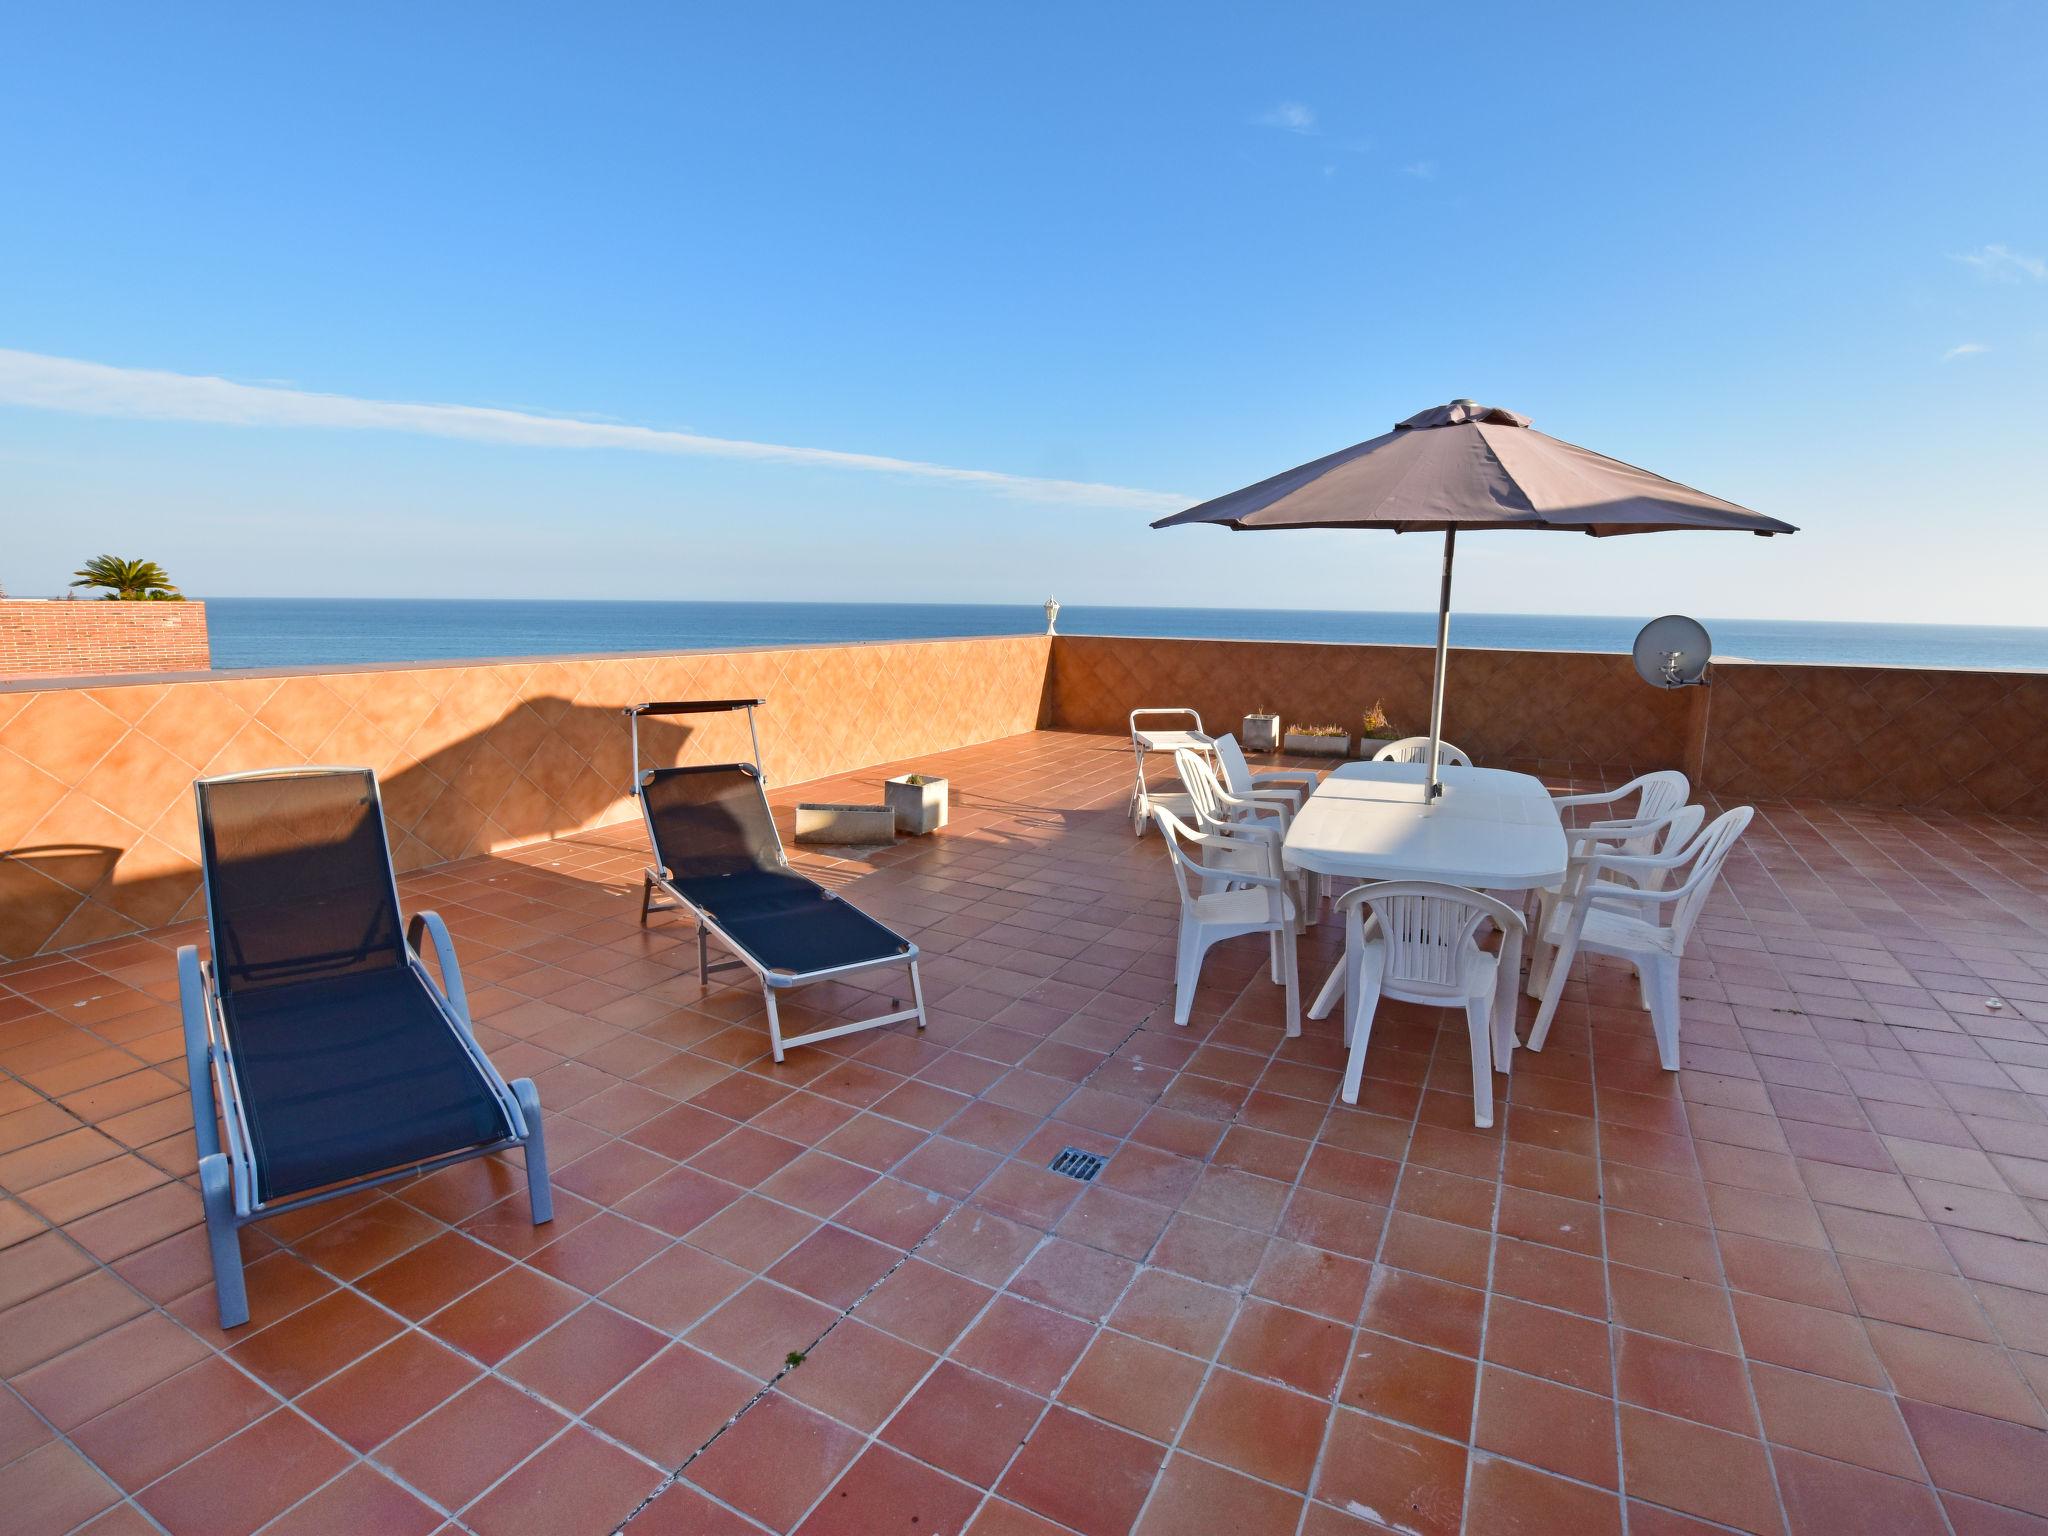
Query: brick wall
[94,638]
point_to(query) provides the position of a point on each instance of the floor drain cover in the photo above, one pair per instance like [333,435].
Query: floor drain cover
[1076,1164]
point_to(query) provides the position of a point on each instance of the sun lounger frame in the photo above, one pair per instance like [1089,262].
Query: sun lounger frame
[657,877]
[228,1173]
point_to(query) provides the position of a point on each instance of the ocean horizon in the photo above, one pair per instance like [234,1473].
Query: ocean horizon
[249,632]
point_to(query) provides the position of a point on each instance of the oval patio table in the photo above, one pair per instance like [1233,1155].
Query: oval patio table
[1490,830]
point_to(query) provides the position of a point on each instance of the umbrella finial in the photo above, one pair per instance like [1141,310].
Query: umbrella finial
[1461,412]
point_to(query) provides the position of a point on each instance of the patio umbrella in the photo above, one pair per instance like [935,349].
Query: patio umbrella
[1471,466]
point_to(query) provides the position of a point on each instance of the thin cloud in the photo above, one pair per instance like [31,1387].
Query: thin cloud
[1964,349]
[2003,264]
[83,388]
[1289,116]
[1421,170]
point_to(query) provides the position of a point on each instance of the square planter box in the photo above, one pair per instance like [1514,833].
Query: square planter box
[864,824]
[918,801]
[1368,745]
[1317,746]
[1261,733]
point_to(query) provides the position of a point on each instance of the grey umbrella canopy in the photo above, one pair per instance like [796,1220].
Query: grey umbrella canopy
[1464,465]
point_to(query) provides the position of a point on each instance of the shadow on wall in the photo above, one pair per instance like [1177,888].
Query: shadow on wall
[543,768]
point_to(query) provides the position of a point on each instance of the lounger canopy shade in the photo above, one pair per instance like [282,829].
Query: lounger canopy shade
[718,856]
[316,1034]
[1468,466]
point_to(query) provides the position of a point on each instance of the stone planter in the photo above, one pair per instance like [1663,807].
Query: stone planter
[1261,733]
[1368,745]
[861,824]
[1316,746]
[918,801]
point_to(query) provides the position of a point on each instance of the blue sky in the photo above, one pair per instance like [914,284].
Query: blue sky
[1107,259]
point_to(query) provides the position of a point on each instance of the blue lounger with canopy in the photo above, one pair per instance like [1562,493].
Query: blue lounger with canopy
[718,856]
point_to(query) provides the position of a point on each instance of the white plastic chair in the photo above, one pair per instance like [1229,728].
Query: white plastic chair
[1634,831]
[1643,924]
[1162,738]
[1220,902]
[1656,796]
[1217,810]
[1664,835]
[1420,944]
[1287,787]
[1415,749]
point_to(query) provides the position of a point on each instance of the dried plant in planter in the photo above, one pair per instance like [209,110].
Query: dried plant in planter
[1376,726]
[1317,740]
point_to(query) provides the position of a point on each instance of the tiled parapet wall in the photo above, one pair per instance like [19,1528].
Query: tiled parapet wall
[1969,742]
[1548,706]
[1899,736]
[97,836]
[96,821]
[88,637]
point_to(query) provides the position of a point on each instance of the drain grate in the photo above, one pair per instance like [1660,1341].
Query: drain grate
[1076,1164]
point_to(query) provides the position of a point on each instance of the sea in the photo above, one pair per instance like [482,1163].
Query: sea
[301,632]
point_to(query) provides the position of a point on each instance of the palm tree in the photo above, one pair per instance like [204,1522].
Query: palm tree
[129,581]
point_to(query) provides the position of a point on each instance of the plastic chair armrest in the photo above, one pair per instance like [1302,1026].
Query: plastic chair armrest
[1301,776]
[1234,876]
[1253,831]
[1606,797]
[1595,889]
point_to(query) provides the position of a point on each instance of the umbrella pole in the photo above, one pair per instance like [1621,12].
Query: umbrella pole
[1443,646]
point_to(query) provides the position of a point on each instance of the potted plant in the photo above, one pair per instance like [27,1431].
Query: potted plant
[1261,732]
[1375,730]
[1318,740]
[919,802]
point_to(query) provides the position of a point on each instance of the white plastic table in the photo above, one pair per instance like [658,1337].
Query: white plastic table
[1491,830]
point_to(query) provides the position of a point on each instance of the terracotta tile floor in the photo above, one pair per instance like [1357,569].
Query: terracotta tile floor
[1802,1284]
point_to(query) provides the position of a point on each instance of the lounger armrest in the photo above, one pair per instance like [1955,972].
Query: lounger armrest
[194,1000]
[452,990]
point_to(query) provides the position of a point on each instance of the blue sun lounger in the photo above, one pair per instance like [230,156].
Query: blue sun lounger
[332,1059]
[718,856]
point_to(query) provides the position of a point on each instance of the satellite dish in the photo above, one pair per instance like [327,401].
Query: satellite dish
[1672,652]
